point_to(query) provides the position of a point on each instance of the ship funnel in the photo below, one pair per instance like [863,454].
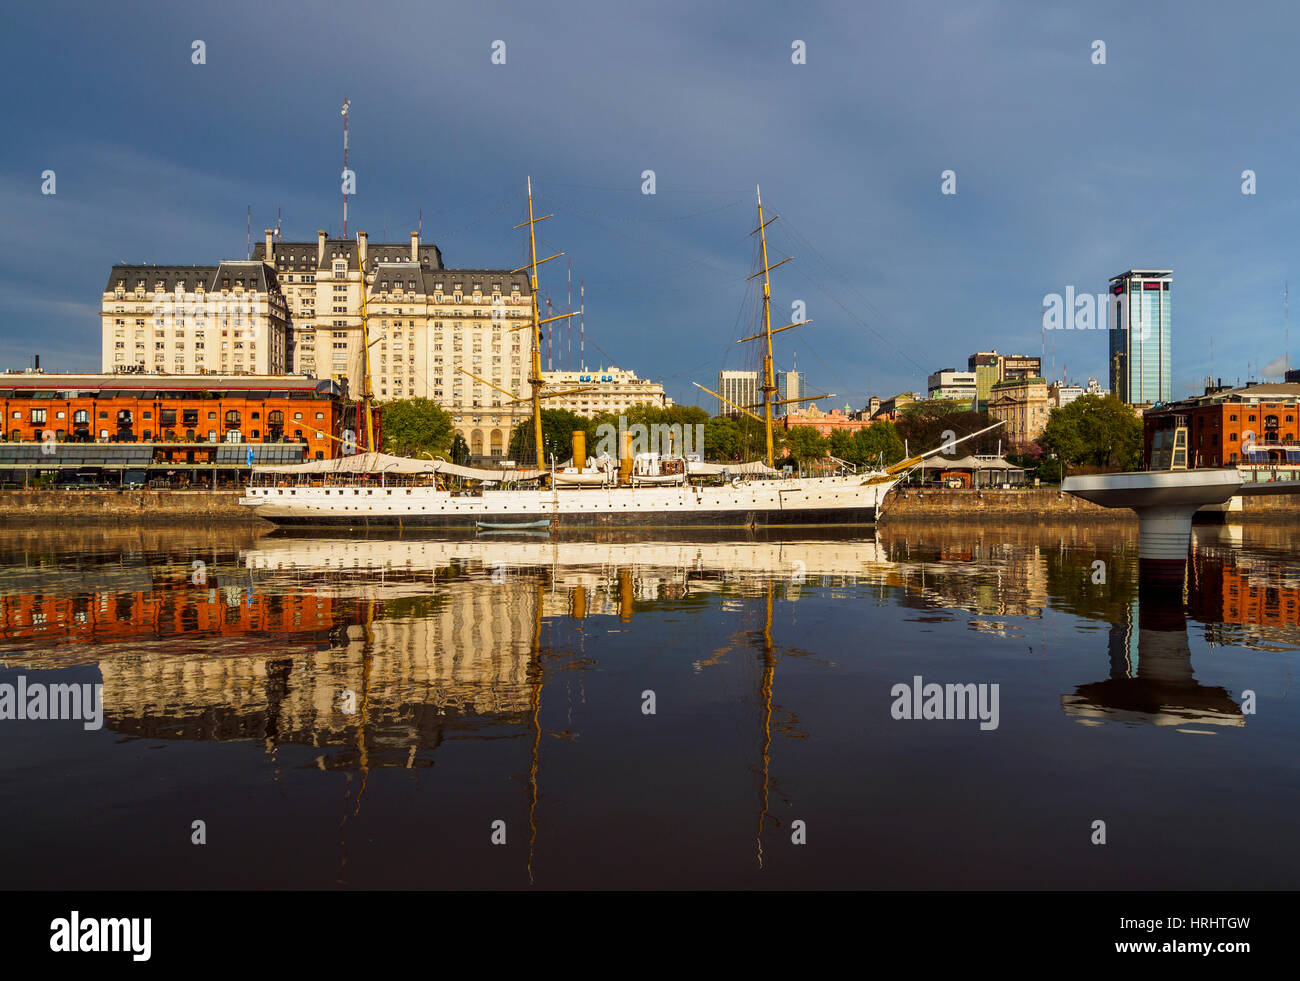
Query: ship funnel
[579,448]
[625,458]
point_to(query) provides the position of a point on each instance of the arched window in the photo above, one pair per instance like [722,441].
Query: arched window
[232,419]
[81,416]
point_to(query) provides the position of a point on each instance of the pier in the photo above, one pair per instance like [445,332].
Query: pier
[1165,502]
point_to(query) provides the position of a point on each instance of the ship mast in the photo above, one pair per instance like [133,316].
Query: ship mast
[367,390]
[535,375]
[769,377]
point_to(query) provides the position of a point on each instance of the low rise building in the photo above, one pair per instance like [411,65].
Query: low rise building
[826,423]
[1060,394]
[1255,425]
[954,385]
[890,408]
[1022,404]
[107,425]
[607,390]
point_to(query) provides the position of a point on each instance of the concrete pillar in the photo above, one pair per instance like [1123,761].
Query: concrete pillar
[1164,535]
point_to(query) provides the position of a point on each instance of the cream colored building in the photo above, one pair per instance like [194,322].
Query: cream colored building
[737,388]
[296,307]
[609,390]
[428,326]
[1022,404]
[225,319]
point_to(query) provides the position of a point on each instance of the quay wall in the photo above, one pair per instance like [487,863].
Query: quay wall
[187,507]
[221,507]
[1038,504]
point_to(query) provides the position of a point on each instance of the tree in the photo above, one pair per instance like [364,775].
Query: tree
[415,426]
[558,426]
[804,443]
[721,439]
[1095,431]
[868,446]
[459,450]
[878,443]
[923,425]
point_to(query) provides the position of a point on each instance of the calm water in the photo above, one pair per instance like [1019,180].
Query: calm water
[357,713]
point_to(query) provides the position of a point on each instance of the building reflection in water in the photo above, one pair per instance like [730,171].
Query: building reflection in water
[443,637]
[375,652]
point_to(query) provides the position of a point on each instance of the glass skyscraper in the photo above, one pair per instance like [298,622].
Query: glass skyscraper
[1141,362]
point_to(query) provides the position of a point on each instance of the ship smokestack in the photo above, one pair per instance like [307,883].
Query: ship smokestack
[625,458]
[580,448]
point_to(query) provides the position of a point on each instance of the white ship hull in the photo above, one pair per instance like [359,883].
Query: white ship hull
[792,502]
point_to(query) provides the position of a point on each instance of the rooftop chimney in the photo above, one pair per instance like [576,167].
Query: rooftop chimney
[320,247]
[415,246]
[361,247]
[270,253]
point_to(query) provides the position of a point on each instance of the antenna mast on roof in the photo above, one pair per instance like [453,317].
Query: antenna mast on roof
[346,104]
[249,247]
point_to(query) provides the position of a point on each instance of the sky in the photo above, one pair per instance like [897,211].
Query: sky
[1067,171]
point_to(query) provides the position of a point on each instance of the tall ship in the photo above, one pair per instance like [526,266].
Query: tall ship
[671,488]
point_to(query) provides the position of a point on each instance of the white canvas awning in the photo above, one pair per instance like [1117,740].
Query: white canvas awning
[965,463]
[734,469]
[384,463]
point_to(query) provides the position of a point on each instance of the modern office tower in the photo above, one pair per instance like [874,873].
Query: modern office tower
[1140,327]
[789,385]
[740,388]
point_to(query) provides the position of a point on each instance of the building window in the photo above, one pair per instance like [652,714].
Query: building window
[38,415]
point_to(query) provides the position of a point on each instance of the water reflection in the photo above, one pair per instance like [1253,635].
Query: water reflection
[363,655]
[1151,678]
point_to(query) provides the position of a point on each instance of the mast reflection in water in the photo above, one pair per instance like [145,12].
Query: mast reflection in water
[383,712]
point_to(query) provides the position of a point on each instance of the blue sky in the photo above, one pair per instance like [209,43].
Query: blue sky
[1067,172]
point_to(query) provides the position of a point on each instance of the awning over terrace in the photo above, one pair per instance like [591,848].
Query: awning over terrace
[384,463]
